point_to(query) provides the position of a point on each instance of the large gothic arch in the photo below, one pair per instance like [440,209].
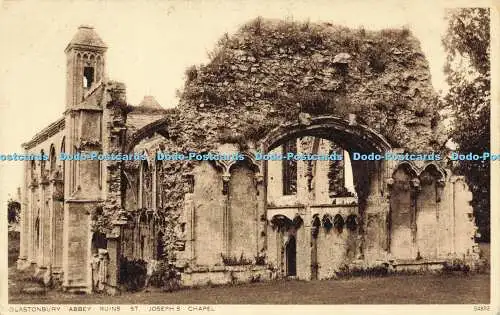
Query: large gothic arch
[348,134]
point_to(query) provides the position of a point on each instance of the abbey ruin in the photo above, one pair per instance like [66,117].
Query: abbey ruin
[273,87]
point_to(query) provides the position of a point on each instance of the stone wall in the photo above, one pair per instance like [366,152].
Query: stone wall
[265,76]
[254,82]
[242,213]
[270,71]
[209,206]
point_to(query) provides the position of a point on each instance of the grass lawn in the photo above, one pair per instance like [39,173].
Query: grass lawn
[13,239]
[456,288]
[399,289]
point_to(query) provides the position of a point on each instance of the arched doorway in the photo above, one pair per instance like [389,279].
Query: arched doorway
[293,189]
[291,256]
[160,246]
[37,238]
[99,261]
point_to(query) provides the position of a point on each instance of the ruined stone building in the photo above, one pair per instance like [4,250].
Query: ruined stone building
[273,87]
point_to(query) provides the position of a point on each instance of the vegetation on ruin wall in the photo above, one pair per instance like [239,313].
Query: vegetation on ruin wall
[467,44]
[269,71]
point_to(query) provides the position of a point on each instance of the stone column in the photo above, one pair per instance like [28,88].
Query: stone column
[304,246]
[39,213]
[446,219]
[440,185]
[188,255]
[114,118]
[112,285]
[154,177]
[57,193]
[302,190]
[45,220]
[24,221]
[31,223]
[140,201]
[46,227]
[261,222]
[226,177]
[375,217]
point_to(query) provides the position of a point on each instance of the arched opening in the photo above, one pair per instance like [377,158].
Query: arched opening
[327,222]
[334,181]
[402,213]
[37,237]
[74,171]
[291,256]
[289,173]
[209,217]
[427,212]
[53,159]
[315,229]
[63,150]
[143,237]
[88,77]
[241,213]
[33,171]
[146,188]
[351,224]
[42,165]
[159,178]
[338,175]
[160,246]
[338,223]
[99,241]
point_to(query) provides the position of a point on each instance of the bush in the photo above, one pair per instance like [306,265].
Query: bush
[260,260]
[456,265]
[375,271]
[133,273]
[166,277]
[234,261]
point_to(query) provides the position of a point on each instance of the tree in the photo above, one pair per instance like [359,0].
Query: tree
[467,69]
[13,211]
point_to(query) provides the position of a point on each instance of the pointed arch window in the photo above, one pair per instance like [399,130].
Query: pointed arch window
[52,159]
[159,175]
[42,165]
[146,186]
[33,170]
[88,77]
[63,150]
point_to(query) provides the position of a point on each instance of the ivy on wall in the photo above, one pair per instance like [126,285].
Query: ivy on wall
[269,72]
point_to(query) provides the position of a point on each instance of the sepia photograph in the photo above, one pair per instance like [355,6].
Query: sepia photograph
[191,155]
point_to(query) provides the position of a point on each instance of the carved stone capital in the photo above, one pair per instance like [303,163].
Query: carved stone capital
[225,183]
[304,119]
[115,232]
[258,179]
[389,182]
[33,184]
[440,184]
[189,177]
[89,144]
[122,218]
[44,180]
[56,175]
[415,184]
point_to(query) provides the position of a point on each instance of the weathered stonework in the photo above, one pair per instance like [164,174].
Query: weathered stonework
[317,88]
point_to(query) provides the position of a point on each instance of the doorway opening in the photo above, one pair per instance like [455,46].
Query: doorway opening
[291,256]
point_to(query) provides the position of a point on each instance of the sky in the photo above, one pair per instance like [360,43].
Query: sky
[151,43]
